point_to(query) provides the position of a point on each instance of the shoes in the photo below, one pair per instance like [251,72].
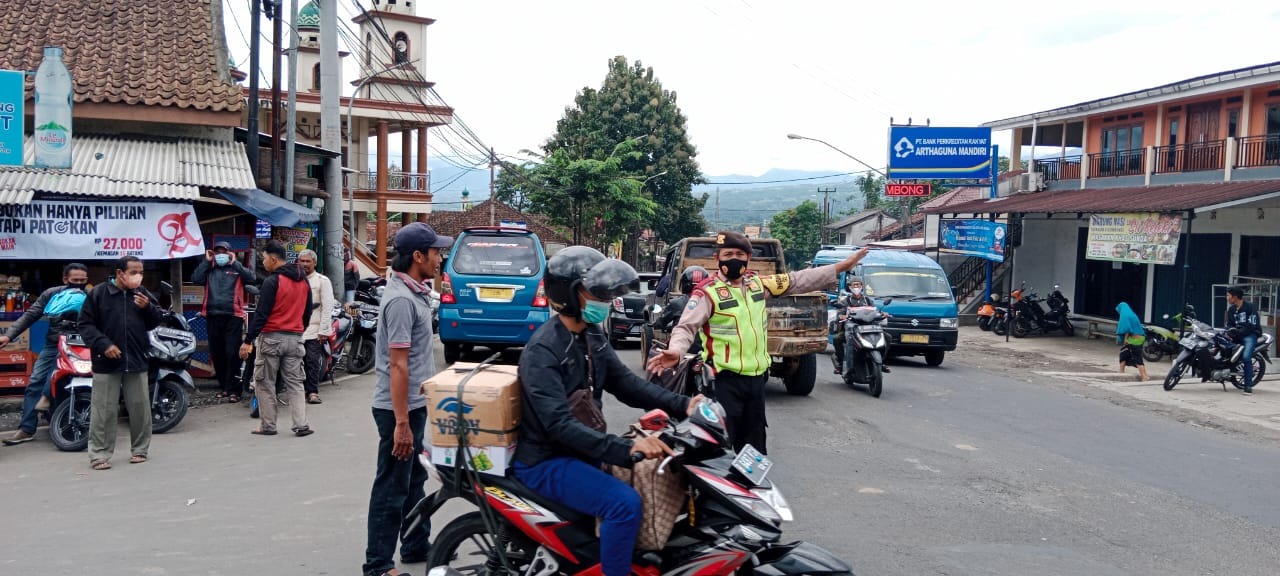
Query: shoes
[839,369]
[19,437]
[261,432]
[885,369]
[1248,391]
[43,404]
[300,432]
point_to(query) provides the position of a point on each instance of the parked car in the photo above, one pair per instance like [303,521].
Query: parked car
[491,292]
[626,318]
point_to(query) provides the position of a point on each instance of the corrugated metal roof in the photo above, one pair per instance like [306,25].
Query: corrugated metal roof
[113,166]
[1164,198]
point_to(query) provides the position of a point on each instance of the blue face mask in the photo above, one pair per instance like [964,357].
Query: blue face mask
[595,312]
[221,259]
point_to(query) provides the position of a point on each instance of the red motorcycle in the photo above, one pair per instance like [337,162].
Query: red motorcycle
[732,518]
[71,386]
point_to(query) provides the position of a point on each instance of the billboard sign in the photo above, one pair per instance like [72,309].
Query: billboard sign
[925,152]
[1140,238]
[12,117]
[981,238]
[908,190]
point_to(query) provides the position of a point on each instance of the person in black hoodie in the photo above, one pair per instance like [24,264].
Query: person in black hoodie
[224,279]
[284,310]
[114,322]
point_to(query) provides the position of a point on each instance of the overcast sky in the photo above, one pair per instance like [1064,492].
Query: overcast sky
[748,72]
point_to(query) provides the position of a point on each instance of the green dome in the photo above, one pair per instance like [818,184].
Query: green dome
[465,193]
[309,16]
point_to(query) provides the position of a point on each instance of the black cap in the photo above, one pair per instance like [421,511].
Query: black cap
[731,239]
[223,244]
[418,237]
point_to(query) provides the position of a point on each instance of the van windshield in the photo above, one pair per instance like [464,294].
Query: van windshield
[497,256]
[907,283]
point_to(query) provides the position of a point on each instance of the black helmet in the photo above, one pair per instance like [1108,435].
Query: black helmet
[692,277]
[603,278]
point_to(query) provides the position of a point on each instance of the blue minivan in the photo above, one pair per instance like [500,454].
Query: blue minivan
[491,292]
[924,318]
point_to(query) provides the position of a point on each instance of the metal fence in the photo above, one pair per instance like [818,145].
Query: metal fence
[1263,292]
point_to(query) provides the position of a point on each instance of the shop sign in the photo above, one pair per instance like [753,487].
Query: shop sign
[981,238]
[1140,238]
[87,230]
[12,118]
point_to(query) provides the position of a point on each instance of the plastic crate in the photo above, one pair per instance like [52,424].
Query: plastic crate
[15,369]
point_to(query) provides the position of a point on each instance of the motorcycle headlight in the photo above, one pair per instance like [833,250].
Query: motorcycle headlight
[775,500]
[82,366]
[759,508]
[949,323]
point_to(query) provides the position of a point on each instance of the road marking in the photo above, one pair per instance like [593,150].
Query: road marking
[870,490]
[965,447]
[321,499]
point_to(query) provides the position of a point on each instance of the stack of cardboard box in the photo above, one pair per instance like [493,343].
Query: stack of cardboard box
[486,409]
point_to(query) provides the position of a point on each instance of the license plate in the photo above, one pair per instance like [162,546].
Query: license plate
[78,382]
[753,465]
[915,338]
[496,294]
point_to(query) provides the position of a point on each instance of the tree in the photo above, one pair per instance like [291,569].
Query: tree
[514,184]
[593,198]
[1005,161]
[800,231]
[632,105]
[870,185]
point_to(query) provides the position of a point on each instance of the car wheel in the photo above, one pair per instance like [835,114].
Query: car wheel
[452,352]
[800,382]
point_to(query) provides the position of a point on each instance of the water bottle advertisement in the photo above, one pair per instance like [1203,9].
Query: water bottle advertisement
[11,118]
[53,111]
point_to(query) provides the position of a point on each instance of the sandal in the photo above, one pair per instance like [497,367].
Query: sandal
[313,398]
[220,395]
[137,459]
[262,432]
[233,399]
[100,465]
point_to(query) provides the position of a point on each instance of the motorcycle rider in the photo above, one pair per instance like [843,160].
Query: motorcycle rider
[558,455]
[851,299]
[691,278]
[1244,328]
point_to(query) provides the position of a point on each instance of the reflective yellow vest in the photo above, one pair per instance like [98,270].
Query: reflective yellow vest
[736,336]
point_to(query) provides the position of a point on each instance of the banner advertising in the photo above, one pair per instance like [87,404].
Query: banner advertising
[295,240]
[12,110]
[934,153]
[981,238]
[58,230]
[1142,238]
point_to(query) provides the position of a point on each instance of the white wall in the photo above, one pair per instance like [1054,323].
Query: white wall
[1047,255]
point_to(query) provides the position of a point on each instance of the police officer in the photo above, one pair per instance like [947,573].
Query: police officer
[731,305]
[851,299]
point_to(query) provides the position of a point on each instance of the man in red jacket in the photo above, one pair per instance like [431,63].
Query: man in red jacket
[284,310]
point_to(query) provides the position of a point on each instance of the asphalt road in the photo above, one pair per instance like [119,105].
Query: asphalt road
[954,470]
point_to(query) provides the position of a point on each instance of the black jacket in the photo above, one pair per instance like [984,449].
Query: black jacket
[109,317]
[1244,320]
[223,287]
[551,367]
[33,315]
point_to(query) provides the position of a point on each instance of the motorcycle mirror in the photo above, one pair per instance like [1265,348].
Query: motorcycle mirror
[253,290]
[654,420]
[166,287]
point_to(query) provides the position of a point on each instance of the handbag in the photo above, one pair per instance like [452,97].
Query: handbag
[582,403]
[662,497]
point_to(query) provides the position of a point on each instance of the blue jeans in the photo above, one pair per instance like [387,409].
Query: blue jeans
[397,488]
[1249,342]
[587,489]
[37,386]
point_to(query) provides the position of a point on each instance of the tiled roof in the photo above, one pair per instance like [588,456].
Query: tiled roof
[145,52]
[121,167]
[854,219]
[892,229]
[958,196]
[451,223]
[1131,199]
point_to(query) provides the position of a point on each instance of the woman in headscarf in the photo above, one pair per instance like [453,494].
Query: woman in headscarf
[1131,336]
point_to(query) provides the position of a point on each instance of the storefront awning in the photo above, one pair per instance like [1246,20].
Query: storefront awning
[1168,198]
[273,209]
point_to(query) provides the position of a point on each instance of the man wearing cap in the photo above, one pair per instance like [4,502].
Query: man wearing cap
[404,361]
[224,278]
[728,313]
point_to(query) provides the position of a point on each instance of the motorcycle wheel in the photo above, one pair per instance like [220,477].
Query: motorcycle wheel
[1175,375]
[1259,370]
[646,342]
[1000,327]
[71,434]
[876,385]
[984,323]
[169,408]
[1019,328]
[466,545]
[1068,328]
[1151,351]
[362,356]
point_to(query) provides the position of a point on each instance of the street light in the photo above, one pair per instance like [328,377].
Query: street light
[351,198]
[872,168]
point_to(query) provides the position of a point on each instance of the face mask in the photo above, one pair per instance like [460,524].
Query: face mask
[595,312]
[733,268]
[856,291]
[131,281]
[79,285]
[221,259]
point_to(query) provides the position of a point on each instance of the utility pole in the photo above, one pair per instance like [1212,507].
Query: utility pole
[716,224]
[292,131]
[331,139]
[255,70]
[492,189]
[277,31]
[826,213]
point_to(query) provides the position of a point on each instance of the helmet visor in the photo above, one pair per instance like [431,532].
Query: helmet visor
[611,279]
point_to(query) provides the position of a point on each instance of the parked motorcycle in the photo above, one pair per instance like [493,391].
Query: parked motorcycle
[1162,341]
[1030,316]
[335,346]
[1210,353]
[360,348]
[865,347]
[733,521]
[1002,314]
[169,381]
[987,312]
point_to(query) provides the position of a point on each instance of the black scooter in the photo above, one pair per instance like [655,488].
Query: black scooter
[865,347]
[1211,354]
[1030,317]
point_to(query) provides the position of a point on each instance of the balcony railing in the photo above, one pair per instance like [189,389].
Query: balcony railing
[1256,151]
[1190,157]
[1067,168]
[396,181]
[1120,163]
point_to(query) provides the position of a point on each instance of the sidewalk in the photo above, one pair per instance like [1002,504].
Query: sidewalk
[1095,362]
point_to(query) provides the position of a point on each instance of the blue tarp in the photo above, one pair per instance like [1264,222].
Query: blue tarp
[273,209]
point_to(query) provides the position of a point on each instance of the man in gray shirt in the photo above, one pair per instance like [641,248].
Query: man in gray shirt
[403,362]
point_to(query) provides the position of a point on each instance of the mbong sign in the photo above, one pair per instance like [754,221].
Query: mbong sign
[926,152]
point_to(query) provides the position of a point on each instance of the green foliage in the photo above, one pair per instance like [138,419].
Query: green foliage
[870,186]
[800,231]
[593,198]
[1005,161]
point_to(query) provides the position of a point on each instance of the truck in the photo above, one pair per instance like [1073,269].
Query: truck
[797,323]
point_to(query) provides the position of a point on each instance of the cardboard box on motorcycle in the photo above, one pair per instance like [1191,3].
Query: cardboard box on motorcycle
[489,406]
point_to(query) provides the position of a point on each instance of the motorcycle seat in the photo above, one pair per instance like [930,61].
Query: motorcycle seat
[514,486]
